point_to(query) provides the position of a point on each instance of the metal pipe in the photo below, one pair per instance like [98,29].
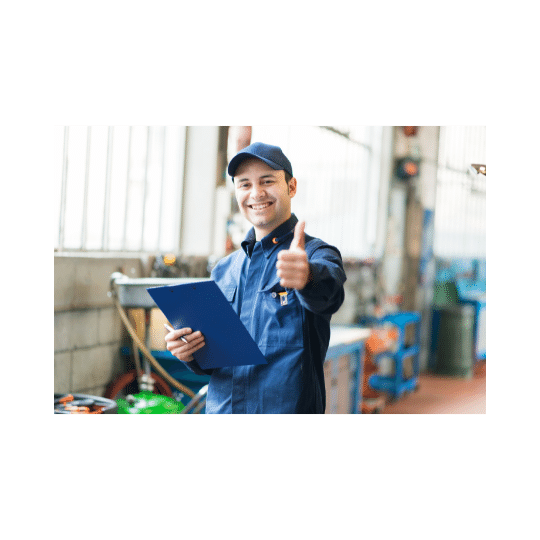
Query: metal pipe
[160,215]
[145,187]
[107,202]
[86,182]
[124,239]
[63,190]
[367,207]
[183,189]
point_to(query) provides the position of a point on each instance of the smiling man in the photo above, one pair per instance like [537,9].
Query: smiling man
[284,285]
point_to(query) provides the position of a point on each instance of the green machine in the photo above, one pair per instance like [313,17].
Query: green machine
[149,403]
[146,402]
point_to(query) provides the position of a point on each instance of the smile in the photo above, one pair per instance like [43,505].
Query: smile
[260,206]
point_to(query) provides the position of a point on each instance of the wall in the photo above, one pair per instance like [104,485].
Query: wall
[87,328]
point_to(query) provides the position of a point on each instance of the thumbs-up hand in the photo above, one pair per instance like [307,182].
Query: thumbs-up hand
[293,266]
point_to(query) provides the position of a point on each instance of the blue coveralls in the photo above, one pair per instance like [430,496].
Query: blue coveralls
[292,330]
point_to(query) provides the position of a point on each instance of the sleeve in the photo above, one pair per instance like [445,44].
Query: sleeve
[324,293]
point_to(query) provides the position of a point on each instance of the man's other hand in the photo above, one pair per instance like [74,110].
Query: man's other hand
[184,351]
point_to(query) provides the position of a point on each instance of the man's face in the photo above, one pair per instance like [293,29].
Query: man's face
[263,195]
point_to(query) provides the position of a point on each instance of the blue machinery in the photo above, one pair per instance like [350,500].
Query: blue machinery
[349,340]
[345,341]
[396,384]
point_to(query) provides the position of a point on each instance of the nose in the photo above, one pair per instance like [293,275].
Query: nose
[257,192]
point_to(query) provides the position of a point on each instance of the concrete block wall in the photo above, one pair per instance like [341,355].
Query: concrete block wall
[88,332]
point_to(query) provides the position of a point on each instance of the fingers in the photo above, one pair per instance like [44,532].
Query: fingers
[194,349]
[290,262]
[293,268]
[290,275]
[293,277]
[299,239]
[176,340]
[292,256]
[185,352]
[182,350]
[177,334]
[287,269]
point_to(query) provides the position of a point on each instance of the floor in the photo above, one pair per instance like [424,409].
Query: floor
[444,395]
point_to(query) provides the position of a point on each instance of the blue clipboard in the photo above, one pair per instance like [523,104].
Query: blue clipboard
[201,305]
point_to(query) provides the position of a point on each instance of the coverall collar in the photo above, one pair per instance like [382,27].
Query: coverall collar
[272,240]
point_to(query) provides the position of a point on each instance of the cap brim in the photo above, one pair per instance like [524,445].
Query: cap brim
[236,160]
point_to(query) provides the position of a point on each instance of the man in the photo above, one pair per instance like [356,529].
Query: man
[284,285]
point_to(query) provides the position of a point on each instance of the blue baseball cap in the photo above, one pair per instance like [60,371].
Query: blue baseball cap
[271,155]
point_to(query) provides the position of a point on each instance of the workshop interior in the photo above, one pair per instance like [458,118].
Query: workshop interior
[144,206]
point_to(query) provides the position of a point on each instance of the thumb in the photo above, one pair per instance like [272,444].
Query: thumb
[299,240]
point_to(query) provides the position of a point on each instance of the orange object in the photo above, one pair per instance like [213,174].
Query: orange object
[411,168]
[79,410]
[169,259]
[410,131]
[380,340]
[74,409]
[97,409]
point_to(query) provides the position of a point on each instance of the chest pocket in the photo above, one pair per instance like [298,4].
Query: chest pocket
[229,293]
[281,317]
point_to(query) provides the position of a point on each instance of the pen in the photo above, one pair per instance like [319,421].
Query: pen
[172,330]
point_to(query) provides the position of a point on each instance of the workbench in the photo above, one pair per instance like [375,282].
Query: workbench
[343,369]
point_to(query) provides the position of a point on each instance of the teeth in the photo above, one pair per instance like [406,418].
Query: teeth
[259,206]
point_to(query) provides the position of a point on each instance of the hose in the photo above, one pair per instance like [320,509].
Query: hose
[179,386]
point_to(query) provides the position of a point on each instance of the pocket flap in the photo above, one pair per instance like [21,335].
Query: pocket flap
[274,286]
[229,293]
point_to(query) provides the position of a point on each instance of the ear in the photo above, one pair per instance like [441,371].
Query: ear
[292,187]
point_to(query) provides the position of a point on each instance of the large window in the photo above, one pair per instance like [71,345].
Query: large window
[119,188]
[460,211]
[338,173]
